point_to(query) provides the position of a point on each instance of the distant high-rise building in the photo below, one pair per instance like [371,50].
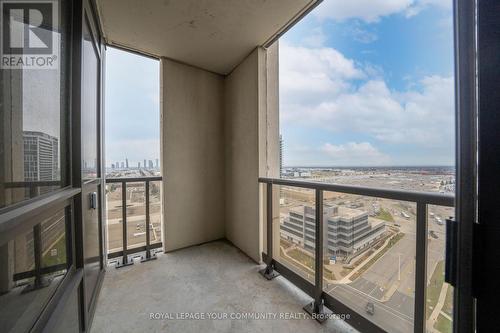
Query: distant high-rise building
[123,165]
[157,164]
[126,162]
[281,155]
[41,156]
[150,164]
[112,166]
[138,165]
[145,165]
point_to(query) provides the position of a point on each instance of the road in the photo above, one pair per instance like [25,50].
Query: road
[385,315]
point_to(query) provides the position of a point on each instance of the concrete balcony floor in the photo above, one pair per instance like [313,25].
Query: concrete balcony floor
[215,277]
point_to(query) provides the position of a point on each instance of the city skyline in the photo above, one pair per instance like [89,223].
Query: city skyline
[125,163]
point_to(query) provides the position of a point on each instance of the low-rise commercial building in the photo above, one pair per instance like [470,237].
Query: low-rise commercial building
[346,230]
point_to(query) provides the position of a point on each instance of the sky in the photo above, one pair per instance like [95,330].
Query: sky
[132,107]
[369,83]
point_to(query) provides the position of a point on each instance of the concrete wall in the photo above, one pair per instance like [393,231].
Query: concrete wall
[249,131]
[192,155]
[242,155]
[219,135]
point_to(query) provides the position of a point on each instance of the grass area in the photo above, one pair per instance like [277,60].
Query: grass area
[345,271]
[448,302]
[307,261]
[302,258]
[396,239]
[443,324]
[60,258]
[286,257]
[391,243]
[384,215]
[434,287]
[328,274]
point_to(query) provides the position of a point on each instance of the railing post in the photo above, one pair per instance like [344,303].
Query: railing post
[39,282]
[421,269]
[269,272]
[125,261]
[316,308]
[148,240]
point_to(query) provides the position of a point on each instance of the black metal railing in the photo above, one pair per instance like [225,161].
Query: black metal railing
[126,251]
[323,299]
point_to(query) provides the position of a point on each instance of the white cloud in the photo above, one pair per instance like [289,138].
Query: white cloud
[361,35]
[316,39]
[367,10]
[372,11]
[314,73]
[353,153]
[329,95]
[420,5]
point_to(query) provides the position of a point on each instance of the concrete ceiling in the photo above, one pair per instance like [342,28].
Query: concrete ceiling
[215,35]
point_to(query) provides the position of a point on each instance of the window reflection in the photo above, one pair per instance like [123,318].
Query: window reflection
[31,267]
[33,110]
[90,107]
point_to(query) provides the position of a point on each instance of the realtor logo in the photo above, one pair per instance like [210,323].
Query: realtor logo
[29,38]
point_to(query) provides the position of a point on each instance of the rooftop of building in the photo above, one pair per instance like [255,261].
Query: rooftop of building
[342,212]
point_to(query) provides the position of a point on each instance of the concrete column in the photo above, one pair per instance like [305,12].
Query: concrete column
[271,159]
[252,148]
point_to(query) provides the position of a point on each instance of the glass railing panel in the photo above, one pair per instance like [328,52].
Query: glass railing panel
[114,217]
[297,233]
[136,214]
[155,212]
[439,294]
[369,257]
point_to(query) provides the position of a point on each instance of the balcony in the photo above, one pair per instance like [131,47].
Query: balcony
[217,278]
[214,278]
[218,242]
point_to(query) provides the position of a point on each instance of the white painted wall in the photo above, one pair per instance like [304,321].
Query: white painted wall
[242,155]
[251,106]
[219,135]
[192,154]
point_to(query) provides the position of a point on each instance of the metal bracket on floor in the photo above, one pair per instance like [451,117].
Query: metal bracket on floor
[39,283]
[269,272]
[124,263]
[149,256]
[317,311]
